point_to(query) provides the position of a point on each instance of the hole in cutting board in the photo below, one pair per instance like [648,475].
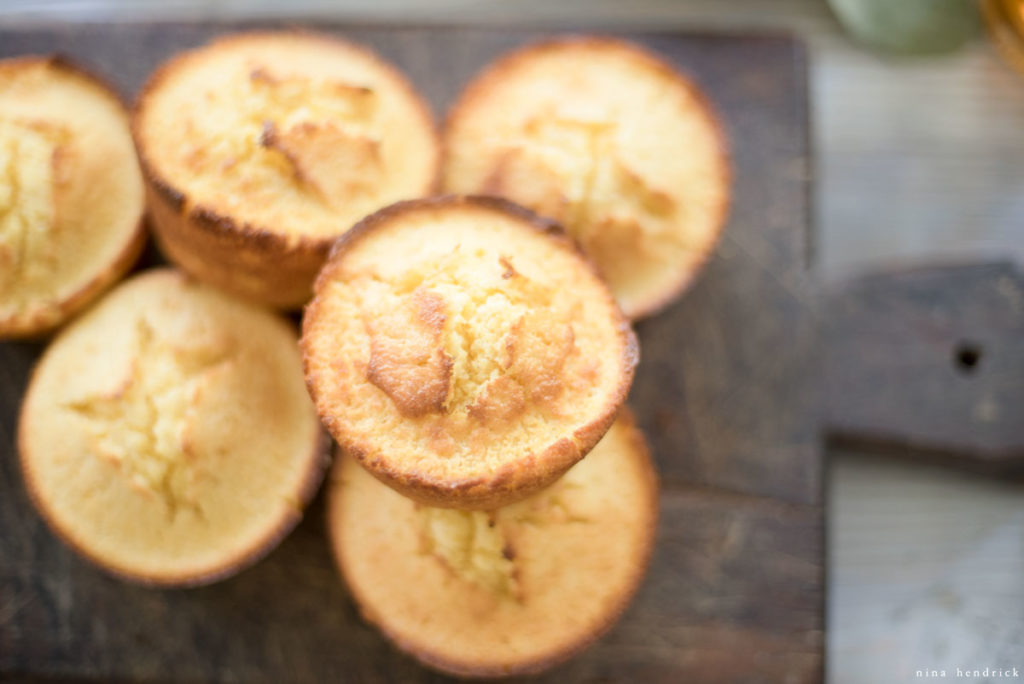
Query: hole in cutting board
[966,357]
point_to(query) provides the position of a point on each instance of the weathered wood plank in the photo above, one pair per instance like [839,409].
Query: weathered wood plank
[929,362]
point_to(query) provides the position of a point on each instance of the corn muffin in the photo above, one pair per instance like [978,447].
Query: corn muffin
[71,194]
[260,149]
[167,435]
[609,140]
[504,592]
[464,351]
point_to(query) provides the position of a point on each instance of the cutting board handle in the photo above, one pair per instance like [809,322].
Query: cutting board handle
[929,362]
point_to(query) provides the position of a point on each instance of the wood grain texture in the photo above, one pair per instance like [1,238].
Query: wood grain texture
[726,392]
[929,362]
[925,571]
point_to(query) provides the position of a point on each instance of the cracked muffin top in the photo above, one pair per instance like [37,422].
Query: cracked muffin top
[504,592]
[288,133]
[464,351]
[611,142]
[71,196]
[167,434]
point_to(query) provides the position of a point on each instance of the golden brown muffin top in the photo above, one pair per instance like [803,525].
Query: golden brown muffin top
[607,139]
[462,353]
[289,133]
[167,433]
[71,196]
[508,591]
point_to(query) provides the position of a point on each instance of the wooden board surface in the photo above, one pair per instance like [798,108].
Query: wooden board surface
[929,362]
[726,392]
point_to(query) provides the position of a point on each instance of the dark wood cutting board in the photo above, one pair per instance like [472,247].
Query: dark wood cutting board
[726,392]
[928,362]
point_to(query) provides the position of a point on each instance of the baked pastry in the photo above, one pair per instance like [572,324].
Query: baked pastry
[167,435]
[610,141]
[464,351]
[260,149]
[71,197]
[505,592]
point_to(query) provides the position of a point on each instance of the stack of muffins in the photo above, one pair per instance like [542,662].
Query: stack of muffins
[492,504]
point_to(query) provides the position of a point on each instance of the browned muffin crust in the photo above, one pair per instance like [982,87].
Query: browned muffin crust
[414,392]
[255,259]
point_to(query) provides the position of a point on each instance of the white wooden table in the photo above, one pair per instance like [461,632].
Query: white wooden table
[916,159]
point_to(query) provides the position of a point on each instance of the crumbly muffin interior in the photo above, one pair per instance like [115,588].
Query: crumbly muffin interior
[31,162]
[144,426]
[464,333]
[293,134]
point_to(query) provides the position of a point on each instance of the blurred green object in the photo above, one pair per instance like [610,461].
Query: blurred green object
[909,26]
